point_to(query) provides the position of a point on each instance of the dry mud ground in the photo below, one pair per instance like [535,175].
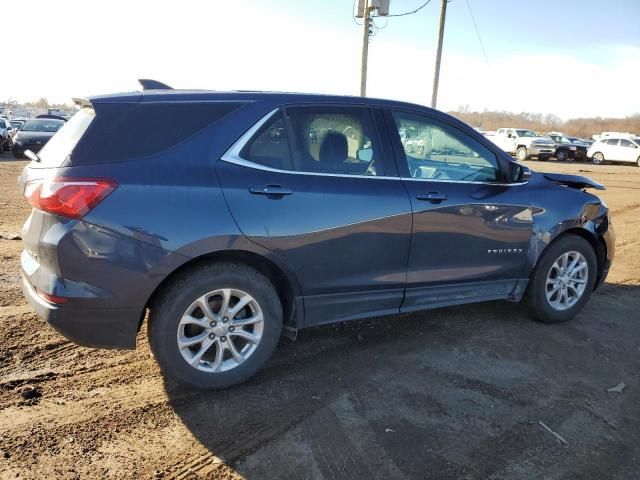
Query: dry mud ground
[453,393]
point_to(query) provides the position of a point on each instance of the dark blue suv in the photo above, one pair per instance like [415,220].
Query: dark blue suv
[233,218]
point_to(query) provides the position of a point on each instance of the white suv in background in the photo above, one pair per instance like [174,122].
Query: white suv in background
[616,149]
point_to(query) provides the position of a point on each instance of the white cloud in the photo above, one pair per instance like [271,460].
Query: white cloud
[103,47]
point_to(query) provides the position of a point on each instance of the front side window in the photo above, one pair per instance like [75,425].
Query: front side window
[626,143]
[329,140]
[437,151]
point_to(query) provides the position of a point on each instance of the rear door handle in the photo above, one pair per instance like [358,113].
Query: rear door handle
[271,191]
[433,197]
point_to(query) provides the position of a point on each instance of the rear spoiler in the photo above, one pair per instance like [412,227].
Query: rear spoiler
[574,181]
[81,102]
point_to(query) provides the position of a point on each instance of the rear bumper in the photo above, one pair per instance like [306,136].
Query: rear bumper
[97,328]
[105,278]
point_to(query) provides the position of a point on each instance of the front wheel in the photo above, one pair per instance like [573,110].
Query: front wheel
[521,154]
[563,280]
[561,156]
[215,326]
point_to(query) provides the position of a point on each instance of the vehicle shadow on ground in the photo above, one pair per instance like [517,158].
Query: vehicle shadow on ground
[422,371]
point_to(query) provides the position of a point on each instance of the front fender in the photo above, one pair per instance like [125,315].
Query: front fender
[558,210]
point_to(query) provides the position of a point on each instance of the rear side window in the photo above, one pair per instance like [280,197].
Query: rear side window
[611,141]
[334,140]
[59,147]
[124,131]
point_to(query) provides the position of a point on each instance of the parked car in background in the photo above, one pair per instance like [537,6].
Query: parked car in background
[5,134]
[16,124]
[34,134]
[567,149]
[523,143]
[264,213]
[580,141]
[616,149]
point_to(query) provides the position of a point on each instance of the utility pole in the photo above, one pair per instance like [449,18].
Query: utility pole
[366,19]
[436,76]
[365,9]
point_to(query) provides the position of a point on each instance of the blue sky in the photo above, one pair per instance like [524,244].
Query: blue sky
[568,58]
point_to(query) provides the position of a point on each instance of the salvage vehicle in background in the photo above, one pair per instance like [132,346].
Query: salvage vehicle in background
[523,143]
[229,235]
[5,134]
[34,134]
[567,149]
[616,149]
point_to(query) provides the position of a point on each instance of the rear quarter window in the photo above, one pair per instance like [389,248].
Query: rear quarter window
[59,147]
[125,131]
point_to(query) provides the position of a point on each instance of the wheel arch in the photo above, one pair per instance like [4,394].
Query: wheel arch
[286,287]
[596,243]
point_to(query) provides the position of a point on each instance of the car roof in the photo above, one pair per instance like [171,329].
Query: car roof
[163,95]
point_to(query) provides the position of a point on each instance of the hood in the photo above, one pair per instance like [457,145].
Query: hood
[573,181]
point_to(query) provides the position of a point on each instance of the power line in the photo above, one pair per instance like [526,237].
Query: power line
[412,11]
[475,26]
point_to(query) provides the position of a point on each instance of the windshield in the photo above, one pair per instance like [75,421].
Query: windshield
[42,125]
[16,124]
[62,143]
[525,133]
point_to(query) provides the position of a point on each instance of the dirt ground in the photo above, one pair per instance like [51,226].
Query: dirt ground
[456,393]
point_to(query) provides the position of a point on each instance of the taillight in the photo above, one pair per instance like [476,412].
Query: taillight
[68,197]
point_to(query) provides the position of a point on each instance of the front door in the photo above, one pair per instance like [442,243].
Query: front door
[471,230]
[316,186]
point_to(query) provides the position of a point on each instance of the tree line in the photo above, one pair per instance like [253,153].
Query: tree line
[578,127]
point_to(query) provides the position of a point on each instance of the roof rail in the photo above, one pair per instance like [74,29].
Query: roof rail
[148,84]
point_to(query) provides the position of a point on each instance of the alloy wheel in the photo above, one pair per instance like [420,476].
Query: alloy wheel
[567,280]
[220,330]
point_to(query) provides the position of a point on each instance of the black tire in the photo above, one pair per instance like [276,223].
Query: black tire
[562,156]
[521,154]
[535,299]
[598,158]
[175,299]
[638,162]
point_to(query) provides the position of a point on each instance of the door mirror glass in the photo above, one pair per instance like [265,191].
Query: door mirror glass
[519,173]
[364,154]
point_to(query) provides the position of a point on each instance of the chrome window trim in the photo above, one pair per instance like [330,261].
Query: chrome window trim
[232,155]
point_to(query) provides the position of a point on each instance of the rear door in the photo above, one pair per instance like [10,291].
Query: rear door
[318,187]
[471,230]
[628,150]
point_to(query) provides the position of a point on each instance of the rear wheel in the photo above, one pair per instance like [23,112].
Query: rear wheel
[215,326]
[521,154]
[638,162]
[598,158]
[563,280]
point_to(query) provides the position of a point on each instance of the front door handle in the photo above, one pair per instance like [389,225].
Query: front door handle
[433,197]
[271,190]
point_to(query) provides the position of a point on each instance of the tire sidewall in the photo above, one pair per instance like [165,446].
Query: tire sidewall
[541,308]
[164,323]
[521,154]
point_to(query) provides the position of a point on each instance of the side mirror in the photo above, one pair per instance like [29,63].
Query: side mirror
[519,173]
[364,154]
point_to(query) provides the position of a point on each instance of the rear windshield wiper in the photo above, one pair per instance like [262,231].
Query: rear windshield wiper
[32,156]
